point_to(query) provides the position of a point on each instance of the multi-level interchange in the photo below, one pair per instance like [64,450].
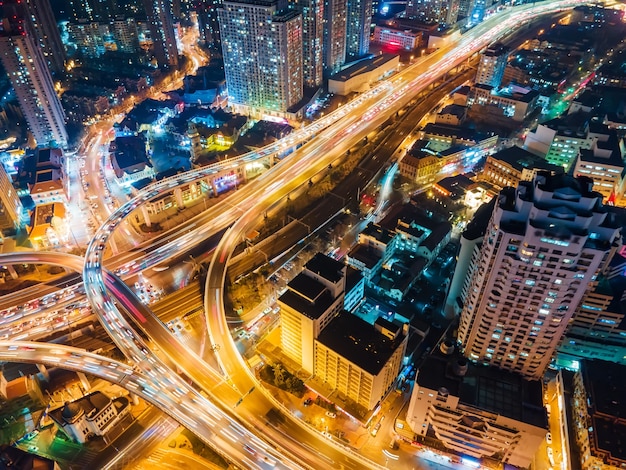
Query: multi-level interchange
[344,234]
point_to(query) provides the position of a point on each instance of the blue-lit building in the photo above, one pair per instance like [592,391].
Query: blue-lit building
[262,50]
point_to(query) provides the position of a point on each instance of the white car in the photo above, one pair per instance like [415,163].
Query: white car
[550,456]
[549,438]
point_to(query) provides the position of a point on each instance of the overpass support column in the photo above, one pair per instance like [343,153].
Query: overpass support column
[178,195]
[12,271]
[146,216]
[211,183]
[84,381]
[44,371]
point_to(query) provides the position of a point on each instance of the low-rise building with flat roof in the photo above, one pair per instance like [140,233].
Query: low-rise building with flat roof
[360,76]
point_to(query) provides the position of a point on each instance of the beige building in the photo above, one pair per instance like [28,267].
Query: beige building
[359,360]
[313,298]
[90,416]
[514,164]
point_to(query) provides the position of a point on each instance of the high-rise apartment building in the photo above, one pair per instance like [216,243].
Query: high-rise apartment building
[491,66]
[334,51]
[358,25]
[94,10]
[262,50]
[125,34]
[10,205]
[26,67]
[43,26]
[527,274]
[444,12]
[312,40]
[161,25]
[208,25]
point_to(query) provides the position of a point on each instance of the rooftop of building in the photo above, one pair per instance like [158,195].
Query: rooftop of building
[588,98]
[487,388]
[573,124]
[438,234]
[365,255]
[326,267]
[497,49]
[363,66]
[130,151]
[359,342]
[457,132]
[409,214]
[285,15]
[307,296]
[12,458]
[477,227]
[606,393]
[610,146]
[378,232]
[521,159]
[89,405]
[353,278]
[455,184]
[455,110]
[261,3]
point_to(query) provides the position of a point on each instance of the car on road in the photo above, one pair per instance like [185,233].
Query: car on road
[330,414]
[549,438]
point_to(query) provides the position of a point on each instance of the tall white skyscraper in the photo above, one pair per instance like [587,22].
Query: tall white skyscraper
[541,247]
[29,74]
[262,50]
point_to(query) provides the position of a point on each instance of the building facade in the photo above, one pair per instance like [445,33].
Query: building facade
[313,298]
[92,415]
[10,205]
[444,12]
[335,23]
[358,25]
[43,26]
[23,59]
[359,360]
[312,40]
[491,66]
[263,58]
[162,33]
[500,416]
[542,247]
